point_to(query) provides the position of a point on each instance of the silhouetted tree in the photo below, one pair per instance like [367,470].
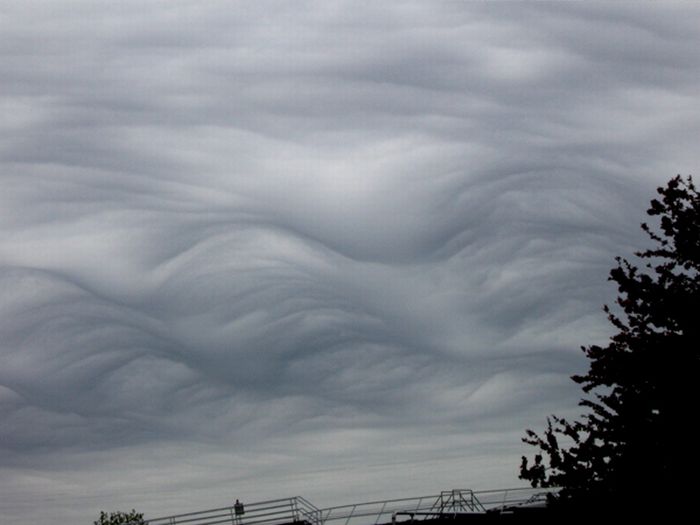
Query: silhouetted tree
[120,518]
[636,446]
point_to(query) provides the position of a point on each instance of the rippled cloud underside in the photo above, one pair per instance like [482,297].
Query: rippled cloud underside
[343,250]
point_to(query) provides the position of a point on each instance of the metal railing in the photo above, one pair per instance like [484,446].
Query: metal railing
[272,512]
[298,510]
[375,512]
[447,503]
[503,498]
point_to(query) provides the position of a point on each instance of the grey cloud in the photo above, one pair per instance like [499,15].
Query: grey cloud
[276,250]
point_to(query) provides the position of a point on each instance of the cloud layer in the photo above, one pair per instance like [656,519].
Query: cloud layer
[328,249]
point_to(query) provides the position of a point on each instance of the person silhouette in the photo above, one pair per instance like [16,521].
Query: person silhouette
[238,510]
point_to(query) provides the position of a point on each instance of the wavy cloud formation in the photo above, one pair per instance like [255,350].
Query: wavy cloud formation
[337,250]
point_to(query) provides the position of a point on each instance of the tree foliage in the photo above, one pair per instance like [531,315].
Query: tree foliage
[636,439]
[120,518]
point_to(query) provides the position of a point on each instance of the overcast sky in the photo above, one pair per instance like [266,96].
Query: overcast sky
[346,250]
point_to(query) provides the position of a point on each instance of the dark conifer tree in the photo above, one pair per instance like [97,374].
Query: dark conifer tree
[636,446]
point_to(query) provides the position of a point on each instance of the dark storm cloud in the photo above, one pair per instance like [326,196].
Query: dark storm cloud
[248,248]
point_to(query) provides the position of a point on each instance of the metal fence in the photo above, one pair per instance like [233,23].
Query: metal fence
[447,503]
[503,498]
[272,512]
[298,510]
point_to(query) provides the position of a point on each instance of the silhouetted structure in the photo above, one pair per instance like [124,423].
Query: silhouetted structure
[635,448]
[456,505]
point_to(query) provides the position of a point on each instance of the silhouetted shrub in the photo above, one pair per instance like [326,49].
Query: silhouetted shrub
[120,518]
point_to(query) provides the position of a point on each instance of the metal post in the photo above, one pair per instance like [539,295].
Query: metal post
[379,516]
